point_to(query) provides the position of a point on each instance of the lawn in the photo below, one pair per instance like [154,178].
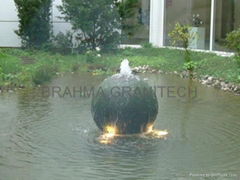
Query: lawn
[29,68]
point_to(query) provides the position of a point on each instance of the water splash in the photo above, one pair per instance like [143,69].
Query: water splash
[125,68]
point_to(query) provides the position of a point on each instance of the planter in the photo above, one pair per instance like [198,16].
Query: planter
[197,42]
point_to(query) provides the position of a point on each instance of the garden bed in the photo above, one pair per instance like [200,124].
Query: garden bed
[25,68]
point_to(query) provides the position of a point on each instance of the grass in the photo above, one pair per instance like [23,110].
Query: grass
[28,68]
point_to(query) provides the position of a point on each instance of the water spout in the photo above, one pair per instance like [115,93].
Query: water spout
[125,68]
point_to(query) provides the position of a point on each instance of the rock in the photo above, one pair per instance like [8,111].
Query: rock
[225,89]
[235,89]
[129,112]
[10,91]
[185,74]
[210,79]
[204,82]
[222,84]
[205,77]
[21,86]
[217,84]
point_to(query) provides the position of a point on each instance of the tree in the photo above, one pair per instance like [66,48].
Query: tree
[181,34]
[96,22]
[34,22]
[127,10]
[233,41]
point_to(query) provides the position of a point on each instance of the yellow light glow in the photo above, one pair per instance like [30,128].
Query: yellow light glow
[109,134]
[110,129]
[156,133]
[150,128]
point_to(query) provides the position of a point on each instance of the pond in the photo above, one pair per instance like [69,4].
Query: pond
[53,137]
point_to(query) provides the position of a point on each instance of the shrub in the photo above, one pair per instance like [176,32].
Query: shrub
[1,74]
[34,24]
[97,22]
[180,34]
[233,41]
[63,43]
[147,45]
[91,56]
[190,66]
[237,60]
[43,73]
[1,53]
[11,65]
[75,67]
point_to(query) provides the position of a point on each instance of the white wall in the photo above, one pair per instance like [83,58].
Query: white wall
[9,23]
[59,25]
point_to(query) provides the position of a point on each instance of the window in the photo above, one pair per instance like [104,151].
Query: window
[136,21]
[227,19]
[188,12]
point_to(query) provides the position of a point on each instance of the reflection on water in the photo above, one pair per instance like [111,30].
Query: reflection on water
[56,138]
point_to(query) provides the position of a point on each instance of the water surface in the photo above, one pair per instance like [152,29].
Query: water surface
[55,138]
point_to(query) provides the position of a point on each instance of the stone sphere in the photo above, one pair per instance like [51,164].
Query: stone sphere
[126,102]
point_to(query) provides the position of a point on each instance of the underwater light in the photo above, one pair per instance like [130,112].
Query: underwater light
[108,135]
[156,133]
[129,111]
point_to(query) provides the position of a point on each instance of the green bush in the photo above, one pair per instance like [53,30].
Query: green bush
[91,56]
[237,59]
[190,66]
[1,75]
[43,73]
[97,23]
[11,65]
[34,22]
[233,41]
[147,45]
[181,34]
[63,43]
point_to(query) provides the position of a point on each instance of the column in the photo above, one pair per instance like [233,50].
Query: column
[157,16]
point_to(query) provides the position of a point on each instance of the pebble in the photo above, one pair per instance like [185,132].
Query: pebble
[207,80]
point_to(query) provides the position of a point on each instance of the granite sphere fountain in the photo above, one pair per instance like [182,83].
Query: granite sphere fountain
[128,105]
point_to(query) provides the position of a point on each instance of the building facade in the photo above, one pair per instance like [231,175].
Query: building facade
[154,19]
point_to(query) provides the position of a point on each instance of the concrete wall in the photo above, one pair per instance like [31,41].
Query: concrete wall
[9,23]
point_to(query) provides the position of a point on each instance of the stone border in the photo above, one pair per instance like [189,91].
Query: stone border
[206,80]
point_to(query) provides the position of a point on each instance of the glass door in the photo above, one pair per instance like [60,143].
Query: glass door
[194,13]
[136,20]
[227,19]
